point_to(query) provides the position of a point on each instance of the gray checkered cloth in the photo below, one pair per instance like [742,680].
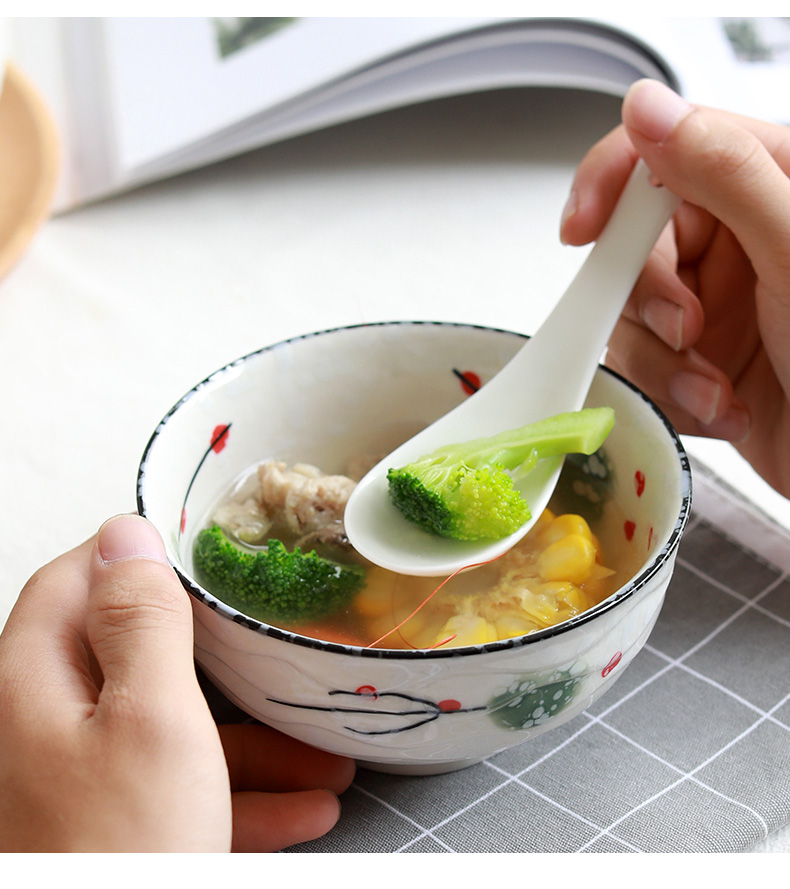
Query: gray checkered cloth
[688,752]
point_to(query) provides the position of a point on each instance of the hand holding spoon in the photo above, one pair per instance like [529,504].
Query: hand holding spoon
[550,374]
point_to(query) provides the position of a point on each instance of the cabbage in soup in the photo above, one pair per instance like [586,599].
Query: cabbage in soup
[558,570]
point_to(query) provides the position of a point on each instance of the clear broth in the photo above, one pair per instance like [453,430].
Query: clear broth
[506,598]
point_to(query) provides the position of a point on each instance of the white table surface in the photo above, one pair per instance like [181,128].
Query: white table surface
[447,212]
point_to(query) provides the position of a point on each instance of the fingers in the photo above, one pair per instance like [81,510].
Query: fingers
[109,611]
[717,162]
[268,822]
[43,647]
[600,177]
[285,792]
[722,162]
[139,621]
[261,758]
[696,396]
[663,303]
[736,169]
[720,300]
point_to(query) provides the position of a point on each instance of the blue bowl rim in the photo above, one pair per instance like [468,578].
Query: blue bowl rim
[625,592]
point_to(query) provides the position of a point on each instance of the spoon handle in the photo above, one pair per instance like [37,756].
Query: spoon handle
[575,334]
[550,374]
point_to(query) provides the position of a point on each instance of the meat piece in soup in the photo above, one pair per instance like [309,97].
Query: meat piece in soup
[556,572]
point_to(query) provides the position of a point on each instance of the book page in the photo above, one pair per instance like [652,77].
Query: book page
[173,81]
[142,98]
[524,52]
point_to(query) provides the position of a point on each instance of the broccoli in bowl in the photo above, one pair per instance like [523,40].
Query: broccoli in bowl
[273,583]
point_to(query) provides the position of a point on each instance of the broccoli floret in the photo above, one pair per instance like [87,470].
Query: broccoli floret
[464,490]
[274,584]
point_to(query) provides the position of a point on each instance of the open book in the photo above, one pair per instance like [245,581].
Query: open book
[139,99]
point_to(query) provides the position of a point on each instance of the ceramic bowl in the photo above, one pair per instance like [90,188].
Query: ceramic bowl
[323,397]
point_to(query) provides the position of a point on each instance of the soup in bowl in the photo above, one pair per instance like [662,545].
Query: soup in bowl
[408,675]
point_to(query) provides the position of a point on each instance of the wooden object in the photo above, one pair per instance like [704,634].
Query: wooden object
[28,165]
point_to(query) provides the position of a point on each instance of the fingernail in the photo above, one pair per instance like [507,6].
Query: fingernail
[129,537]
[695,393]
[734,426]
[571,206]
[654,110]
[665,319]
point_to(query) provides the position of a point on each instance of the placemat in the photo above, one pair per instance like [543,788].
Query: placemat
[688,752]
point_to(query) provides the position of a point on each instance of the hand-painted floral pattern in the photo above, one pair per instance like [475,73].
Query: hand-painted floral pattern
[530,701]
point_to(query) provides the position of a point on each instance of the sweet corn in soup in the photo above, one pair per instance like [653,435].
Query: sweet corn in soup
[558,570]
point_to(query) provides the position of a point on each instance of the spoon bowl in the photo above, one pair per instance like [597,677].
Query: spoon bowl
[553,370]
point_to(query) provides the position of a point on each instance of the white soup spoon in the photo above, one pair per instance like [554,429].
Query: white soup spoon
[550,374]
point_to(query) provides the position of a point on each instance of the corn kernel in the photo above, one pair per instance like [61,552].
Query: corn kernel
[570,558]
[544,520]
[553,588]
[467,629]
[375,599]
[575,598]
[561,526]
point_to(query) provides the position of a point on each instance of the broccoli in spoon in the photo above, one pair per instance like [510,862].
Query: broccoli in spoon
[466,490]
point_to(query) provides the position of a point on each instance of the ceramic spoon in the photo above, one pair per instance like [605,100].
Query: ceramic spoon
[550,374]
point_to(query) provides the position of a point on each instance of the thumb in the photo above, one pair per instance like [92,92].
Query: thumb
[139,621]
[719,162]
